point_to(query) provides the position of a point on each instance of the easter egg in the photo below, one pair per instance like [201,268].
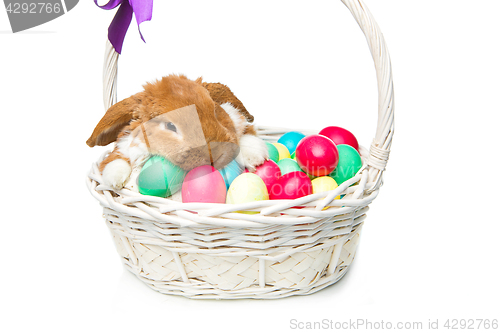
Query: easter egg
[269,172]
[293,185]
[323,184]
[282,150]
[273,152]
[317,155]
[287,165]
[340,136]
[349,164]
[290,140]
[247,187]
[160,177]
[230,172]
[204,184]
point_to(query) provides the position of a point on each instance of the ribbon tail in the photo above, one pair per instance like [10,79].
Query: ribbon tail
[143,10]
[119,26]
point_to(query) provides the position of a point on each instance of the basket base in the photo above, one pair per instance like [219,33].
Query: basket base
[207,291]
[301,273]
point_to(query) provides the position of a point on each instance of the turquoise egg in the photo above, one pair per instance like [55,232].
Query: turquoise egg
[290,140]
[288,165]
[230,172]
[159,177]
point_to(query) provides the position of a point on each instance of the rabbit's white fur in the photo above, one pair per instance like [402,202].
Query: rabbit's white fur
[240,122]
[116,173]
[134,149]
[252,151]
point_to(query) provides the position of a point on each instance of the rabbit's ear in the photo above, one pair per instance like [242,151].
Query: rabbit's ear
[221,94]
[116,118]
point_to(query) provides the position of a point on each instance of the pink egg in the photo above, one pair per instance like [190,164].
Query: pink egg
[204,184]
[340,136]
[269,172]
[292,185]
[317,155]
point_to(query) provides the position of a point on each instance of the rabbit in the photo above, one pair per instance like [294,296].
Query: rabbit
[191,123]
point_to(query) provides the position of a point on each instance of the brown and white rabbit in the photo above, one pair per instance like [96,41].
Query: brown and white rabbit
[191,123]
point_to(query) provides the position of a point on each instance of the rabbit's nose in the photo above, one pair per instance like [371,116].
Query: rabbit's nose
[222,153]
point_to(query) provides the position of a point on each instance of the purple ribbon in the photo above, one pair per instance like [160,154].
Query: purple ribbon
[143,10]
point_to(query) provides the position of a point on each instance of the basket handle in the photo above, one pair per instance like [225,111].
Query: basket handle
[381,144]
[380,147]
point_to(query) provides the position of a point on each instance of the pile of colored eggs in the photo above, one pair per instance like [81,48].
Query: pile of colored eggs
[298,165]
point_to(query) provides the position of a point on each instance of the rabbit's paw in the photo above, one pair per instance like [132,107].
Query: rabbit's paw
[116,173]
[253,152]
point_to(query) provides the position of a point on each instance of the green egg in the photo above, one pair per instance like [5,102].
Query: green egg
[349,164]
[273,152]
[288,165]
[159,177]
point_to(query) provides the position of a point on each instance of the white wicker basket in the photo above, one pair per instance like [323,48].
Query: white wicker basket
[202,250]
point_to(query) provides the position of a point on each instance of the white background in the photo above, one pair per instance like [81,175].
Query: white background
[430,248]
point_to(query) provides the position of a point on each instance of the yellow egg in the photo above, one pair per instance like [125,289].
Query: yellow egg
[323,184]
[247,187]
[282,150]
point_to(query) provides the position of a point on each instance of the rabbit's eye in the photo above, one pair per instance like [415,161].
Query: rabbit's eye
[170,126]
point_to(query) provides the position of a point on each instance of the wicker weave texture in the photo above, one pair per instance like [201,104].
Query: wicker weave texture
[239,276]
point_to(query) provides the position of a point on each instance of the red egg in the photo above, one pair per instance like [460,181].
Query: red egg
[292,185]
[204,184]
[340,136]
[269,172]
[317,155]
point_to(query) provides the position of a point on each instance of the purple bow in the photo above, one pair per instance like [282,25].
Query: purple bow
[143,10]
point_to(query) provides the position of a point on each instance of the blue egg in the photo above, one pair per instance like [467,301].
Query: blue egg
[291,140]
[230,172]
